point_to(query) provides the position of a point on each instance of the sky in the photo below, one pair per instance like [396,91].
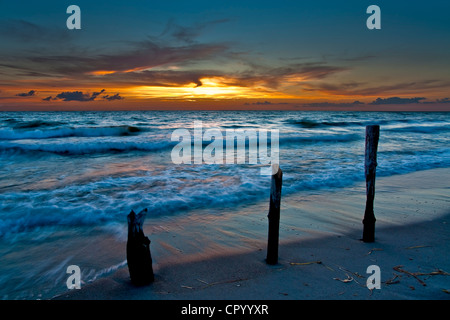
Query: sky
[166,55]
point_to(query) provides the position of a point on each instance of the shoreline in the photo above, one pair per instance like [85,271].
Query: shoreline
[225,260]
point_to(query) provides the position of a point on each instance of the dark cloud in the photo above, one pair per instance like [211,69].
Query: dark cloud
[378,101]
[169,78]
[73,96]
[26,94]
[143,55]
[396,100]
[333,88]
[333,104]
[113,97]
[315,71]
[77,96]
[96,94]
[291,74]
[83,97]
[365,89]
[259,103]
[264,103]
[444,100]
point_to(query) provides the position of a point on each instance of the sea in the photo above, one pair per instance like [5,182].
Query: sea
[66,174]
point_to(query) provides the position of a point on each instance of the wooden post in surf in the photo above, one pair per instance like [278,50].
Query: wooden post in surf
[370,165]
[274,215]
[138,250]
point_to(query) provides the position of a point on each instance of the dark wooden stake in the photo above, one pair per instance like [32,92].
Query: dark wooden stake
[138,250]
[370,165]
[274,215]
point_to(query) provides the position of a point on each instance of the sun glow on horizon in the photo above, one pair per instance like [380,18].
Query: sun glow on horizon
[211,88]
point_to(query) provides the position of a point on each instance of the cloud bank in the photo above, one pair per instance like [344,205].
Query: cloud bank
[26,94]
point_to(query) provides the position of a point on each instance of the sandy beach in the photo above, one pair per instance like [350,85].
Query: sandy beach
[223,257]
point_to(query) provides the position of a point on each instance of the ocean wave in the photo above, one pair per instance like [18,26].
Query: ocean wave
[309,124]
[85,147]
[286,139]
[178,189]
[99,144]
[20,124]
[427,129]
[347,137]
[113,131]
[107,201]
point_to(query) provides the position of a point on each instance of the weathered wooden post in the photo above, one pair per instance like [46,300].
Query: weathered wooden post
[274,215]
[138,250]
[370,165]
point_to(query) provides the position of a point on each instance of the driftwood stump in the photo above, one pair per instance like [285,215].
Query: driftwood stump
[274,215]
[370,165]
[138,250]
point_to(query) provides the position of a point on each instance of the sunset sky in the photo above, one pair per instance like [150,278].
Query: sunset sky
[224,55]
